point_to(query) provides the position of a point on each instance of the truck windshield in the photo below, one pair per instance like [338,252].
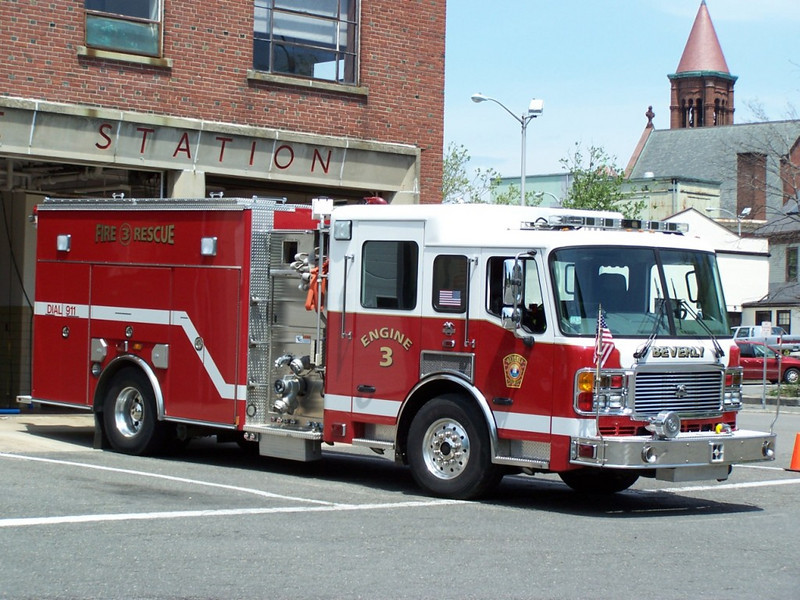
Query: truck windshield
[641,291]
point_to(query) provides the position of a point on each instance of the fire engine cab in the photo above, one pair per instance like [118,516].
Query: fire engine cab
[467,341]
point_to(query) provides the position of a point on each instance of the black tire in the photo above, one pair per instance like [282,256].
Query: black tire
[592,480]
[791,376]
[449,450]
[130,417]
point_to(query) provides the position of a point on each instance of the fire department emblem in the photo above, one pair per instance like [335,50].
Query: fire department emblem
[514,367]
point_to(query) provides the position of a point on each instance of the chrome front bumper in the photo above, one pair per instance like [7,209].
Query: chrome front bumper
[687,457]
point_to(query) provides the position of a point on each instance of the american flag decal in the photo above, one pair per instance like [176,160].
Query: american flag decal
[450,298]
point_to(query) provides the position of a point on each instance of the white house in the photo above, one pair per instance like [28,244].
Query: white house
[743,261]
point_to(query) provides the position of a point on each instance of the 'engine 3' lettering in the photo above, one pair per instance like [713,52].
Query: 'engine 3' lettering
[386,333]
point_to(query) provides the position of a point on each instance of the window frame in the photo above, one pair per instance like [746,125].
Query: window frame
[783,319]
[94,18]
[345,54]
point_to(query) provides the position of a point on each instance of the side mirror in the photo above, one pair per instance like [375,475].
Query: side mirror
[691,285]
[511,317]
[512,282]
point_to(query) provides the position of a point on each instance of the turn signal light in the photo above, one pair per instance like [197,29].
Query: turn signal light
[586,381]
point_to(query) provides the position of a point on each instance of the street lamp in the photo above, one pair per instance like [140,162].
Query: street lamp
[535,108]
[542,193]
[745,212]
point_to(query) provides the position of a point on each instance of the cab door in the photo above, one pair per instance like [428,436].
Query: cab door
[384,291]
[518,369]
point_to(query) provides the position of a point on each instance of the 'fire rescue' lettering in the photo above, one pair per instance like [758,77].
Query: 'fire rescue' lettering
[125,234]
[386,333]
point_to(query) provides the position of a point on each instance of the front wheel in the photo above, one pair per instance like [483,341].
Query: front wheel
[591,480]
[130,417]
[449,450]
[791,376]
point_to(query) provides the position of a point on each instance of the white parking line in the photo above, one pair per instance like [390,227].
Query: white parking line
[727,486]
[183,514]
[761,467]
[166,477]
[319,505]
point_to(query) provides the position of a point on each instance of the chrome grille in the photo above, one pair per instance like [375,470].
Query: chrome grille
[694,392]
[448,362]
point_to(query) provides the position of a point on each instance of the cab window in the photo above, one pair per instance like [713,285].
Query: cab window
[450,283]
[533,315]
[389,275]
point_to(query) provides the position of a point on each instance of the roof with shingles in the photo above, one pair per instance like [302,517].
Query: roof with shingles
[785,295]
[710,153]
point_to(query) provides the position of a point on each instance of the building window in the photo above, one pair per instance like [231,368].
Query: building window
[130,26]
[785,320]
[389,275]
[763,316]
[307,38]
[791,263]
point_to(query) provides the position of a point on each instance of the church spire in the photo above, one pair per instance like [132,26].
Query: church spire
[702,51]
[702,86]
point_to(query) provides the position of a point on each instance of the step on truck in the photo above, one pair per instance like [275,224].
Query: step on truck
[466,341]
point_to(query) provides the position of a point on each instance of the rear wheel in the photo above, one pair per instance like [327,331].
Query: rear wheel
[130,417]
[791,376]
[598,480]
[449,450]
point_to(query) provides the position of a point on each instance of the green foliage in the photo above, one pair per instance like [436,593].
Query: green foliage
[511,196]
[597,183]
[457,185]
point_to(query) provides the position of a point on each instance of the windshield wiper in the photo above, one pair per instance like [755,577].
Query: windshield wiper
[642,352]
[718,351]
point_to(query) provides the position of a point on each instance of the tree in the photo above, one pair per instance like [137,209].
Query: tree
[597,183]
[457,185]
[511,195]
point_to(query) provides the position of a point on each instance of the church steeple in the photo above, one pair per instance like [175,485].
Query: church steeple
[702,86]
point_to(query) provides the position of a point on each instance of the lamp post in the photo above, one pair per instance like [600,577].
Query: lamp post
[745,212]
[535,108]
[542,193]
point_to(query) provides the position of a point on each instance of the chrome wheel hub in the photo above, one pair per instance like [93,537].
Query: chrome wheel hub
[446,448]
[128,411]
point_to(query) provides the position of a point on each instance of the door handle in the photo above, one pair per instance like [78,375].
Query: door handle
[366,389]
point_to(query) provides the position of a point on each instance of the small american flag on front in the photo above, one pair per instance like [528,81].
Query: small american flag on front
[604,342]
[450,298]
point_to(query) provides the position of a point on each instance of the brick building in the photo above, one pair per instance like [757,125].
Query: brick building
[178,98]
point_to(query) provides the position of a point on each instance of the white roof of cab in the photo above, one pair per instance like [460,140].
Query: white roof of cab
[501,226]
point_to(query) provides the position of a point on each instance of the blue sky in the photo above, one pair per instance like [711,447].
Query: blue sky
[598,64]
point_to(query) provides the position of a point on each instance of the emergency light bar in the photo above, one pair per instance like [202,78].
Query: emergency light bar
[557,221]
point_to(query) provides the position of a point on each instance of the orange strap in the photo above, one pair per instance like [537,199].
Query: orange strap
[312,301]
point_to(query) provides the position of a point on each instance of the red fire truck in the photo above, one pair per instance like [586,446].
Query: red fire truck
[466,341]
